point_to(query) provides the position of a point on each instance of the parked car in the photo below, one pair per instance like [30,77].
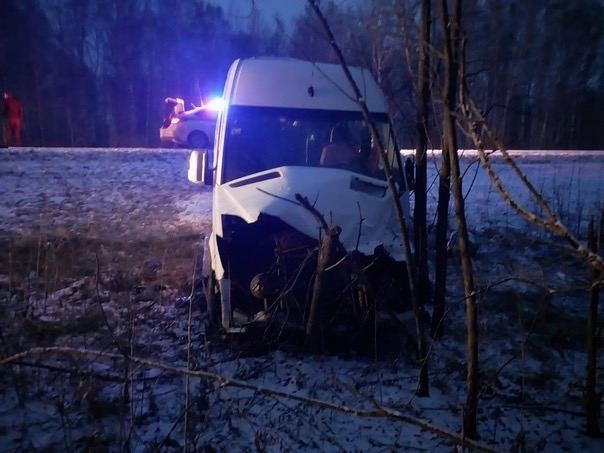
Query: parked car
[189,128]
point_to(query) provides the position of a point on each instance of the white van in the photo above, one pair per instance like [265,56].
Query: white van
[292,127]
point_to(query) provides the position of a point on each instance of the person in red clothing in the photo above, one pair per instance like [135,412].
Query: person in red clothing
[12,112]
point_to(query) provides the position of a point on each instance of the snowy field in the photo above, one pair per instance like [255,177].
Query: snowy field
[97,251]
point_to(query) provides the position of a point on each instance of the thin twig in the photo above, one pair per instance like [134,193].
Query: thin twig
[100,304]
[551,223]
[380,412]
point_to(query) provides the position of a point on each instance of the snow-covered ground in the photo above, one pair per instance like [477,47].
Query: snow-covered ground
[99,192]
[571,181]
[97,247]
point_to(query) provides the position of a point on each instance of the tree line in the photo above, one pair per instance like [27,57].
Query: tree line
[448,76]
[96,73]
[536,67]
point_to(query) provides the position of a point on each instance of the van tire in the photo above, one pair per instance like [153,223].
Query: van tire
[213,305]
[198,140]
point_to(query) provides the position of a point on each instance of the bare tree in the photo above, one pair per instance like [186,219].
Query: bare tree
[442,227]
[421,121]
[592,399]
[548,220]
[450,26]
[423,383]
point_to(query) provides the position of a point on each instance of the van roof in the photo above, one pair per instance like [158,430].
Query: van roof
[293,83]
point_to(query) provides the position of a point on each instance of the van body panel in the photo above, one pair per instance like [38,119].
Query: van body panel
[291,83]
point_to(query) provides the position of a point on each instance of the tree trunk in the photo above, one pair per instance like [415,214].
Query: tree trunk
[471,308]
[394,193]
[451,65]
[423,97]
[41,140]
[442,227]
[592,399]
[326,251]
[422,282]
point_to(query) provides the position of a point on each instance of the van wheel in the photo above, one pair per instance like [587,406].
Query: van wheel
[197,140]
[212,295]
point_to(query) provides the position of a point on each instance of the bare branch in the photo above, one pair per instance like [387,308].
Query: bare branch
[552,223]
[303,201]
[388,173]
[224,381]
[536,195]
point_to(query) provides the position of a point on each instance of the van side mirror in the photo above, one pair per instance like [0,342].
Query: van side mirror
[200,167]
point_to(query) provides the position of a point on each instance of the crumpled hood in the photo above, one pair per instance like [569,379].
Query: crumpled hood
[348,200]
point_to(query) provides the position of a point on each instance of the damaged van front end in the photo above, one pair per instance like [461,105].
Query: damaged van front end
[292,154]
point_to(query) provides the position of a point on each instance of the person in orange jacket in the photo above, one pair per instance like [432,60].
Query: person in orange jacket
[12,112]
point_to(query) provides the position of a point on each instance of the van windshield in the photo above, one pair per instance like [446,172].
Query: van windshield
[261,138]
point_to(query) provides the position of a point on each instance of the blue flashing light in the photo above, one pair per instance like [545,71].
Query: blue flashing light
[216,104]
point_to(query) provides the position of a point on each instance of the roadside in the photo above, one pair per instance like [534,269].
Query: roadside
[98,248]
